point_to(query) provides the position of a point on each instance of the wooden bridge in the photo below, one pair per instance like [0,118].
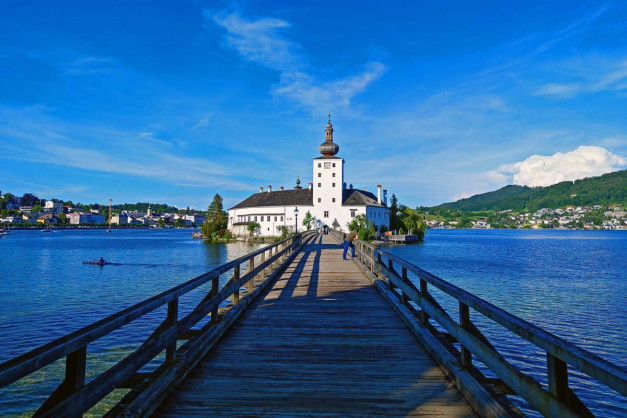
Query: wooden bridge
[296,330]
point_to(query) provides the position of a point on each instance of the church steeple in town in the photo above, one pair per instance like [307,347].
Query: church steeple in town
[329,148]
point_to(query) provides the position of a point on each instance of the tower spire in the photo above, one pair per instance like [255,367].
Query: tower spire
[328,147]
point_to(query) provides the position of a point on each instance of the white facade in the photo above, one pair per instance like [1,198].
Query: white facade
[327,198]
[53,207]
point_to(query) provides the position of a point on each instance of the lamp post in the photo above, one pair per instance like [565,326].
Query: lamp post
[296,215]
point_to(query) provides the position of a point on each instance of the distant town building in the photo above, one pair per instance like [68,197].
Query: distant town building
[52,206]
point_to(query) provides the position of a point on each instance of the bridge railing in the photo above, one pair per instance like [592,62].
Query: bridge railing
[74,396]
[391,272]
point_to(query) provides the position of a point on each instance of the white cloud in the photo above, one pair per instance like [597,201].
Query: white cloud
[585,161]
[555,89]
[260,42]
[593,78]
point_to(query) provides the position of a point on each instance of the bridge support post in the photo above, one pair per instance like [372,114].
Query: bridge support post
[464,322]
[173,313]
[391,268]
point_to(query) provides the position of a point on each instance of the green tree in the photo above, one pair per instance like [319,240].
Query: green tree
[62,218]
[284,230]
[413,222]
[359,222]
[217,220]
[252,228]
[308,220]
[394,218]
[36,208]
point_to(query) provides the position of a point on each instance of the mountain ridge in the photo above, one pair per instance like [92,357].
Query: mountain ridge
[607,189]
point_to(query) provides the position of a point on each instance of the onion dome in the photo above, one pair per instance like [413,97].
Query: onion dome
[328,147]
[297,184]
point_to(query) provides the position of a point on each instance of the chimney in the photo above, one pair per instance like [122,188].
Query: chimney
[350,186]
[281,188]
[310,186]
[261,190]
[269,188]
[378,193]
[385,197]
[344,185]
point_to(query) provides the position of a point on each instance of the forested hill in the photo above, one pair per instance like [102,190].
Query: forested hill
[605,190]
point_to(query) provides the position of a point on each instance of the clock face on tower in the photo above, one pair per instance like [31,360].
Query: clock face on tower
[327,165]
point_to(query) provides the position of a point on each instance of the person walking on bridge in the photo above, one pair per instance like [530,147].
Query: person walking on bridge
[348,242]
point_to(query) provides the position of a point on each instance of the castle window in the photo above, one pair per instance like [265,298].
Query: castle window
[249,219]
[333,185]
[353,213]
[319,165]
[319,200]
[333,175]
[281,219]
[326,213]
[275,219]
[319,174]
[333,164]
[319,184]
[333,200]
[268,218]
[255,219]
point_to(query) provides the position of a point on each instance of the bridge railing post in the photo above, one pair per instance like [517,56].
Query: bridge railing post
[235,279]
[262,273]
[173,313]
[74,380]
[404,298]
[251,267]
[464,322]
[424,317]
[379,263]
[391,268]
[215,284]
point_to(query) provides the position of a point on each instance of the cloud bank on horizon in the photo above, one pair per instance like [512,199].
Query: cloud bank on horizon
[585,161]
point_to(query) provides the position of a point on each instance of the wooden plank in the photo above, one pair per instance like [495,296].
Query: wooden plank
[320,341]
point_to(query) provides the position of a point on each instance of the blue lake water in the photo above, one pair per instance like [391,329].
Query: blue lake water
[572,283]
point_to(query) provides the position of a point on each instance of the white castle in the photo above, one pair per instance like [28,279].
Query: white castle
[327,198]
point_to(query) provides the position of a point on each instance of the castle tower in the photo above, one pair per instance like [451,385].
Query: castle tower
[328,179]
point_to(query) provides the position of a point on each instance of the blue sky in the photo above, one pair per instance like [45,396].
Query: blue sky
[175,101]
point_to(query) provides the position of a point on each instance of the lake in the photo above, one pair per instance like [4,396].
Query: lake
[572,283]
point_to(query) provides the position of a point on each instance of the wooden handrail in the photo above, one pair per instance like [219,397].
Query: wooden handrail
[559,400]
[76,397]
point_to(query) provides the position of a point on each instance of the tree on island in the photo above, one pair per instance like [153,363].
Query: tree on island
[414,223]
[308,220]
[367,229]
[217,220]
[253,228]
[395,222]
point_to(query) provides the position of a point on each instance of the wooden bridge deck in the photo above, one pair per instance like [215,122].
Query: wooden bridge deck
[321,341]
